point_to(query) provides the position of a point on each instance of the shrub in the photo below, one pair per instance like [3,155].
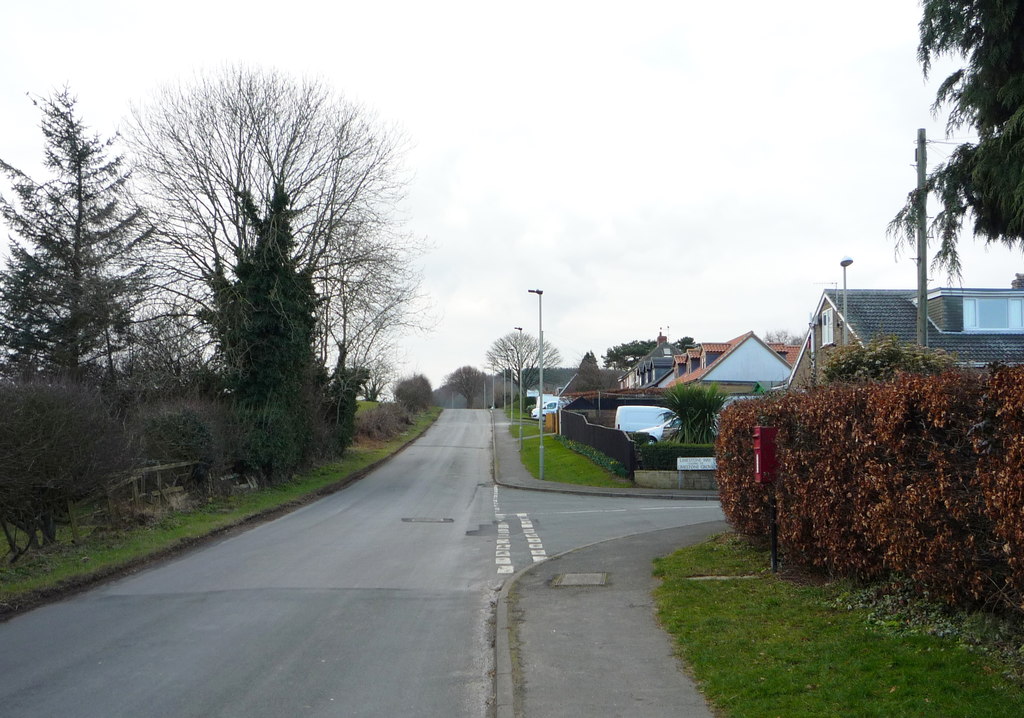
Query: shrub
[881,359]
[196,430]
[414,393]
[382,422]
[662,455]
[58,445]
[697,408]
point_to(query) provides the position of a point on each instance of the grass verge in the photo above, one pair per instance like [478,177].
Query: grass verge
[764,646]
[561,464]
[66,567]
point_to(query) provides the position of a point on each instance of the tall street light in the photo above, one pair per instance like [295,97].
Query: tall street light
[540,379]
[846,262]
[519,369]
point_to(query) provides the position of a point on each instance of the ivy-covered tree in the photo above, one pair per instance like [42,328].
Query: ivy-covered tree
[72,280]
[264,322]
[983,180]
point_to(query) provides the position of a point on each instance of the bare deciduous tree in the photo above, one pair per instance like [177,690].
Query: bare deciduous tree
[782,336]
[467,381]
[518,353]
[201,147]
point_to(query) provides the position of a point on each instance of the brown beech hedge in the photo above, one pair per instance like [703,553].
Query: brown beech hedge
[922,476]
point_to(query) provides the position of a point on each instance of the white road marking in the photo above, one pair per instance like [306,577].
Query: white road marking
[503,544]
[709,505]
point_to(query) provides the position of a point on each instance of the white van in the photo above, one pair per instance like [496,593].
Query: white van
[635,418]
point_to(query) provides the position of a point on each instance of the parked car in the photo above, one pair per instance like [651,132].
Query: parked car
[639,418]
[550,406]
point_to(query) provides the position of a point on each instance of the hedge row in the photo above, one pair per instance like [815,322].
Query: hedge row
[921,476]
[662,455]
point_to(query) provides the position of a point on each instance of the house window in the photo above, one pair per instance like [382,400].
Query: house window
[828,323]
[993,314]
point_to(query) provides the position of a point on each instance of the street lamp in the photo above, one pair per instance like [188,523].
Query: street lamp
[846,262]
[519,368]
[540,379]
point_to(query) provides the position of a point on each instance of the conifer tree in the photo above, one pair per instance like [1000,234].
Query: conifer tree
[72,280]
[983,180]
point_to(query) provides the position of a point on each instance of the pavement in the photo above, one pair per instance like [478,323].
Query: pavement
[576,635]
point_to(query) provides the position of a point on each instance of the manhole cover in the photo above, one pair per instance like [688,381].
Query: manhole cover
[580,579]
[415,520]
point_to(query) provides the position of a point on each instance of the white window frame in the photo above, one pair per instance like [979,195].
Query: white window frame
[1014,314]
[828,326]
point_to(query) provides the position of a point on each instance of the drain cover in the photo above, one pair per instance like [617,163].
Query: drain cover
[580,579]
[416,520]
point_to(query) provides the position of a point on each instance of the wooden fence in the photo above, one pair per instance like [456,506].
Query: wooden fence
[610,442]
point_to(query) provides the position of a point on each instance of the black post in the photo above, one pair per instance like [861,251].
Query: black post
[774,531]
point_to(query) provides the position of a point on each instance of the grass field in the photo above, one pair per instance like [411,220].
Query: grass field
[763,646]
[561,464]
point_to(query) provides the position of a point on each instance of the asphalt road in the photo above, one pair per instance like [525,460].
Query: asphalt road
[375,601]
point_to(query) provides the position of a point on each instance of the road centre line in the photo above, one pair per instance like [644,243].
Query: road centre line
[709,504]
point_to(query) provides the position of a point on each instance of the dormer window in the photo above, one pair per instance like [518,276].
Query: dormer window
[993,314]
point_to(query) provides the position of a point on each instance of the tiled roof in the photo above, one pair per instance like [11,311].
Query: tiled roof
[884,312]
[691,376]
[789,352]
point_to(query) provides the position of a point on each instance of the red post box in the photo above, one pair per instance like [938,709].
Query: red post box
[765,461]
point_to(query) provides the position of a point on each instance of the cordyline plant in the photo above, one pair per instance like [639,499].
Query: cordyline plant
[697,408]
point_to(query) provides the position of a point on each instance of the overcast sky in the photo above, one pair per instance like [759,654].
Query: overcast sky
[699,167]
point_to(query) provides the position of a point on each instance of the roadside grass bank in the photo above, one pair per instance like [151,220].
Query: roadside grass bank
[66,567]
[760,645]
[562,464]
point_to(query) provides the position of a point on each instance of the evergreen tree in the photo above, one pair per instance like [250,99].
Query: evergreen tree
[71,281]
[627,355]
[590,377]
[264,321]
[984,179]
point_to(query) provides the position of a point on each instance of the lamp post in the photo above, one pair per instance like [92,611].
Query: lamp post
[846,262]
[519,368]
[540,378]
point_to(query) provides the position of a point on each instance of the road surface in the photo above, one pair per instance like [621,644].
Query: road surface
[375,601]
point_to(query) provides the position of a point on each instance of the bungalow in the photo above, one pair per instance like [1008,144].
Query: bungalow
[978,326]
[738,366]
[653,370]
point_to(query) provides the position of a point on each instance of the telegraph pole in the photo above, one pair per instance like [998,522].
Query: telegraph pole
[922,241]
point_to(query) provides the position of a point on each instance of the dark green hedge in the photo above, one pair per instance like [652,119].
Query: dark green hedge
[662,455]
[602,460]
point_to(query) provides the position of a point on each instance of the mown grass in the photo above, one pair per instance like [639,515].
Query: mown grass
[561,464]
[765,646]
[101,553]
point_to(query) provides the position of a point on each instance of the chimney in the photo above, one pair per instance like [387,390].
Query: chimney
[662,338]
[1018,282]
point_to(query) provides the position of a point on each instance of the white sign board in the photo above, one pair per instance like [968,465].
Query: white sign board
[696,463]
